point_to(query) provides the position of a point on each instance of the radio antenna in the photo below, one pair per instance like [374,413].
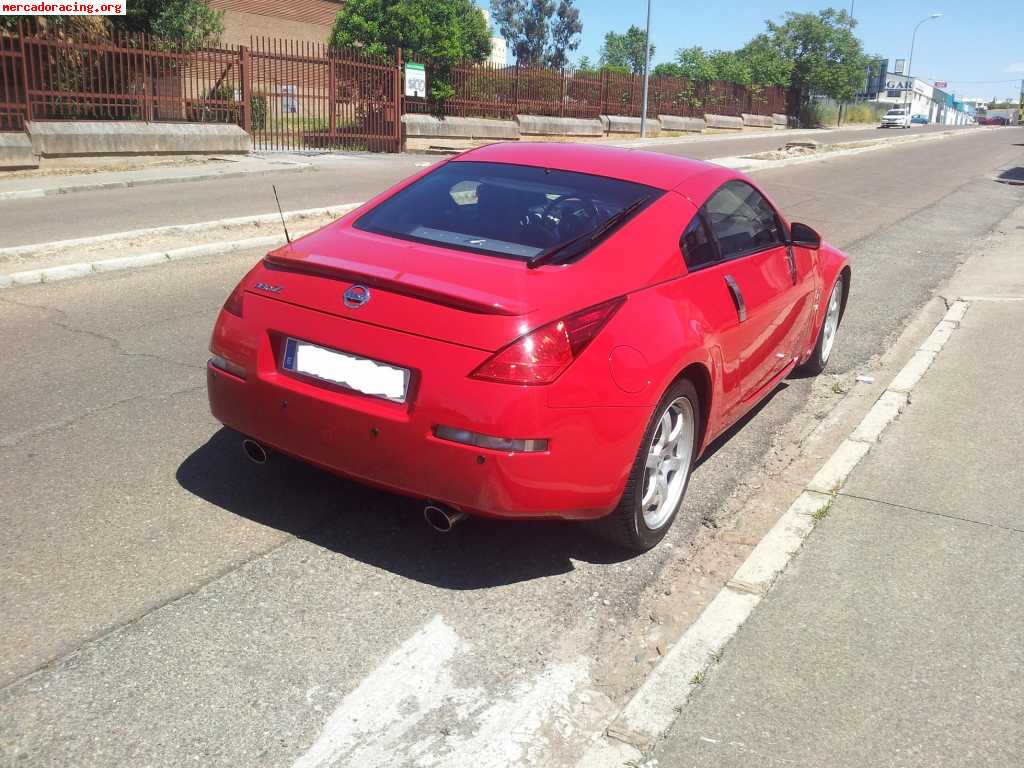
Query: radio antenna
[286,235]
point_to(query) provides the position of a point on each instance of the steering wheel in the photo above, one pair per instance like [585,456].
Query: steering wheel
[555,216]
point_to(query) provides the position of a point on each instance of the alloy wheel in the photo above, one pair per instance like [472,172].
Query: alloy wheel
[668,463]
[835,303]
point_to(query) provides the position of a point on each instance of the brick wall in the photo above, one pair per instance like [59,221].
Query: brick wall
[239,27]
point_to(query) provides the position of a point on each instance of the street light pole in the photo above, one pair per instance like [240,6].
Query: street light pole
[910,61]
[647,62]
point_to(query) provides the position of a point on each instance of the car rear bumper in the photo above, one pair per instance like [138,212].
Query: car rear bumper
[392,445]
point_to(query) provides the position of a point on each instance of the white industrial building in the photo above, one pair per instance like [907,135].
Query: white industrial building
[923,99]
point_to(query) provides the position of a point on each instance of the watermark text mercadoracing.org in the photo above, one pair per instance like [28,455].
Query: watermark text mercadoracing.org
[67,9]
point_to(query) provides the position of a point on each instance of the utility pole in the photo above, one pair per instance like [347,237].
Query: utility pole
[647,64]
[910,61]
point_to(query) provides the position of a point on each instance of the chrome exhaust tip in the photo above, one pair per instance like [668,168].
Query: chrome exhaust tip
[255,452]
[442,519]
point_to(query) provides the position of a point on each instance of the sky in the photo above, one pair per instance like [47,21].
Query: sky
[974,40]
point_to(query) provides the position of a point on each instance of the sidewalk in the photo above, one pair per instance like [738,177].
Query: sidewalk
[28,184]
[896,637]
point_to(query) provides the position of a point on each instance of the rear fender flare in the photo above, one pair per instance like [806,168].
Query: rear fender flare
[703,366]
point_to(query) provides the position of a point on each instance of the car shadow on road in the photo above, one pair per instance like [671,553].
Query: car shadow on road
[380,528]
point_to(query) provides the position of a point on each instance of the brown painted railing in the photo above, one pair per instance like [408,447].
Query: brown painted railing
[501,92]
[290,95]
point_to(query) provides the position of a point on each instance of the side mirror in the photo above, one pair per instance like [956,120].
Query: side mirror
[802,235]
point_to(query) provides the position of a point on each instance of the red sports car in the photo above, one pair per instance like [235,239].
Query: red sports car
[529,331]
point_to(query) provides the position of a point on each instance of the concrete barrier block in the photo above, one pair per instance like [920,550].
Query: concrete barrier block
[624,124]
[542,125]
[16,152]
[61,138]
[756,121]
[724,121]
[677,123]
[429,126]
[780,121]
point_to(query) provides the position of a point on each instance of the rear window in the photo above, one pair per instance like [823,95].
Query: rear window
[512,211]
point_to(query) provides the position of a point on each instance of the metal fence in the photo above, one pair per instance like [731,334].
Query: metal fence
[485,90]
[305,95]
[286,94]
[295,95]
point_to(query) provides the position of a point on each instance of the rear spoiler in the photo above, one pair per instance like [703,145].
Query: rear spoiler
[420,287]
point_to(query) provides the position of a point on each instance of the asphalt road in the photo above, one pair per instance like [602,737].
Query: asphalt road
[342,179]
[166,602]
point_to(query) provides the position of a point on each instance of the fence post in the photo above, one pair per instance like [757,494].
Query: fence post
[332,93]
[604,91]
[245,75]
[22,33]
[515,92]
[561,97]
[147,102]
[399,99]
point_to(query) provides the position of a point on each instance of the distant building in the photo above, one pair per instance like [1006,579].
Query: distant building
[923,98]
[499,48]
[306,20]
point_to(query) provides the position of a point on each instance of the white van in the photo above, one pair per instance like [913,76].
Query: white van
[896,118]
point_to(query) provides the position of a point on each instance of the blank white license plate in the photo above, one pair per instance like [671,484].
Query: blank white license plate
[357,373]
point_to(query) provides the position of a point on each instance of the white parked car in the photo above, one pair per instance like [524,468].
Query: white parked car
[896,118]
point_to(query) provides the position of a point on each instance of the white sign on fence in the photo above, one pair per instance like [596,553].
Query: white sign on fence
[415,79]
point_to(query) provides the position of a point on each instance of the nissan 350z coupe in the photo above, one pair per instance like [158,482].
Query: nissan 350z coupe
[529,331]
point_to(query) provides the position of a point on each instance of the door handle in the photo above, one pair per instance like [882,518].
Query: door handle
[792,264]
[737,297]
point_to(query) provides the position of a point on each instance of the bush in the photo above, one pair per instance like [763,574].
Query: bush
[818,115]
[864,113]
[258,108]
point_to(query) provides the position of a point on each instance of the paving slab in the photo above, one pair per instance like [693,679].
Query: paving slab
[897,636]
[894,640]
[960,439]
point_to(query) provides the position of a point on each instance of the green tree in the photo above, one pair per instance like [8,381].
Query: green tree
[442,32]
[625,50]
[824,54]
[668,69]
[695,63]
[565,34]
[538,31]
[193,22]
[731,67]
[766,62]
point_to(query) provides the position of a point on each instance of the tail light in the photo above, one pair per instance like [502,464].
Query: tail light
[234,302]
[542,355]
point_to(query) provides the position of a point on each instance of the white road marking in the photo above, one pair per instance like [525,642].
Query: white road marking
[375,719]
[411,712]
[544,717]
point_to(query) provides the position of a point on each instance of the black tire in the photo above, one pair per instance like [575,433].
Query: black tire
[625,525]
[820,357]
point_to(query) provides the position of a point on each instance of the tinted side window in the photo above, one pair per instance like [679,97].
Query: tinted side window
[742,220]
[698,248]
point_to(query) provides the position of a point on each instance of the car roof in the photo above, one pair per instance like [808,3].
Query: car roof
[654,170]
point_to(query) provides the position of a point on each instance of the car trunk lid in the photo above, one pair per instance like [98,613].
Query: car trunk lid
[463,298]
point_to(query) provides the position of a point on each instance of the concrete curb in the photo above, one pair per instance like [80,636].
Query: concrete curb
[39,249]
[751,165]
[657,703]
[85,268]
[24,194]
